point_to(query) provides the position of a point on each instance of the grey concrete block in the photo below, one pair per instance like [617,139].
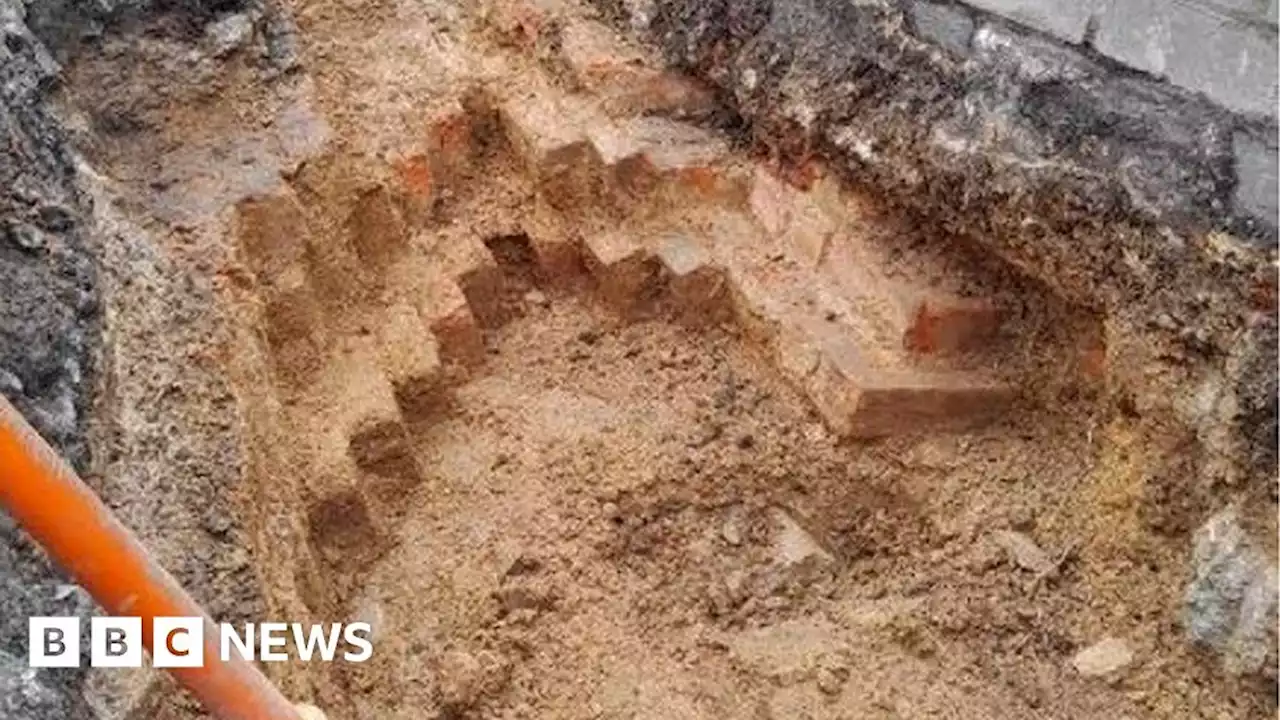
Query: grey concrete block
[1065,19]
[950,26]
[1195,47]
[1255,10]
[1257,173]
[1028,57]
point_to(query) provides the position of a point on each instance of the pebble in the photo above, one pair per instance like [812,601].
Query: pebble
[309,712]
[730,531]
[831,680]
[227,34]
[1024,552]
[1103,657]
[537,298]
[792,544]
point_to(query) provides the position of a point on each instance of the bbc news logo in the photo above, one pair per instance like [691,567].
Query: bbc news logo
[179,642]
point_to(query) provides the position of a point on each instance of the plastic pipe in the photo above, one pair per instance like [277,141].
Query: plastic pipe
[44,495]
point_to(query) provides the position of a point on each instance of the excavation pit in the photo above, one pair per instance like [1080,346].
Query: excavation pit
[488,328]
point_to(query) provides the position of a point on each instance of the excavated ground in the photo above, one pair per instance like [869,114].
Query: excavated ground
[447,386]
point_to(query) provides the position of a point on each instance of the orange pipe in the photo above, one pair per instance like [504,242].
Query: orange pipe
[45,497]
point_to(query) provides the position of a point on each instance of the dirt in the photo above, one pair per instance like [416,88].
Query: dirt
[600,516]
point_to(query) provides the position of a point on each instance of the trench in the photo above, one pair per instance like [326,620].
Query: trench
[564,458]
[592,410]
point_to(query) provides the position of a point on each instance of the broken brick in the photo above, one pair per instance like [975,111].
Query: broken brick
[292,318]
[382,449]
[273,232]
[662,93]
[458,337]
[378,232]
[596,57]
[411,362]
[696,287]
[552,146]
[792,217]
[626,274]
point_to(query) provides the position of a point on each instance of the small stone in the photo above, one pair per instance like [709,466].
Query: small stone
[10,385]
[62,592]
[537,298]
[793,544]
[369,610]
[56,218]
[831,680]
[26,237]
[1231,600]
[227,34]
[731,532]
[461,677]
[1022,519]
[1024,552]
[309,712]
[1103,658]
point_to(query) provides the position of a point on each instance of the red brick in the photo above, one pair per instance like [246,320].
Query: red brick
[595,57]
[546,134]
[696,286]
[903,402]
[524,24]
[793,217]
[945,325]
[273,232]
[440,162]
[293,322]
[859,399]
[377,230]
[856,377]
[366,414]
[463,256]
[558,250]
[665,93]
[626,273]
[458,336]
[642,155]
[408,356]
